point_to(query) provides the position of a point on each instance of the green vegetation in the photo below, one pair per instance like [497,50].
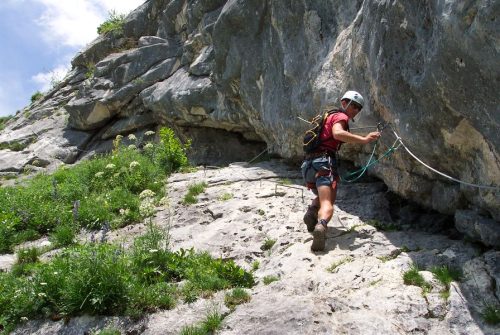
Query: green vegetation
[268,244]
[107,331]
[383,226]
[105,279]
[3,121]
[237,297]
[226,196]
[491,314]
[413,277]
[269,279]
[13,145]
[335,265]
[90,70]
[193,191]
[255,266]
[36,96]
[114,24]
[285,181]
[115,189]
[446,275]
[261,212]
[212,322]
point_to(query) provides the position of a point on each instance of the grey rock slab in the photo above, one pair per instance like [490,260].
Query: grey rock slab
[478,227]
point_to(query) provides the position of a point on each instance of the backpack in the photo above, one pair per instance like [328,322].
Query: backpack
[312,140]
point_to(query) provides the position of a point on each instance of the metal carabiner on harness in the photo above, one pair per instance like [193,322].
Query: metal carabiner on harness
[381,126]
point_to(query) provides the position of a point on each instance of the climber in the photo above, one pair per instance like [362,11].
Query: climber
[319,168]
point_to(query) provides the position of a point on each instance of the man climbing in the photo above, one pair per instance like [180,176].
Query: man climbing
[319,168]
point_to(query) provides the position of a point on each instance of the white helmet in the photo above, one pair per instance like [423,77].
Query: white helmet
[354,96]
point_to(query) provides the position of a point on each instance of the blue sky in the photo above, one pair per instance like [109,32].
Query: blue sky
[40,37]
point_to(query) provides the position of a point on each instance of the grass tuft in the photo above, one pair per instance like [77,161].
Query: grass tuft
[269,279]
[237,297]
[337,264]
[491,314]
[193,191]
[413,277]
[267,244]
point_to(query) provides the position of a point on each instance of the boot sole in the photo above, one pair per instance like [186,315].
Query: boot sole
[310,223]
[319,238]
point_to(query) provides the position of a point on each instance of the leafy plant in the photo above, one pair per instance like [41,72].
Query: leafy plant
[114,24]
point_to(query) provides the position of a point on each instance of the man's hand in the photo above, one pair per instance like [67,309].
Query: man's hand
[373,136]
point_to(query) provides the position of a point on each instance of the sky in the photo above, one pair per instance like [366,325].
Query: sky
[39,38]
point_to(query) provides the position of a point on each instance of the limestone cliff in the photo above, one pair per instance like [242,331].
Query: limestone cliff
[236,75]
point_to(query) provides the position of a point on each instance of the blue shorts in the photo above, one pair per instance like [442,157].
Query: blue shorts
[320,171]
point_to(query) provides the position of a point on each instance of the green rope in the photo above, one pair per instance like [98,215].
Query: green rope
[361,171]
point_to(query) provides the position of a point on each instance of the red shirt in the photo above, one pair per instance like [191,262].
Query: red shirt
[328,142]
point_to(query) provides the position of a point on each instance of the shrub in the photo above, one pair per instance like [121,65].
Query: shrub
[36,96]
[3,121]
[114,24]
[171,153]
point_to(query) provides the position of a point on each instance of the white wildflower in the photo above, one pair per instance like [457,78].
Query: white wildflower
[124,212]
[153,250]
[134,164]
[147,209]
[132,137]
[99,174]
[149,133]
[43,284]
[132,147]
[110,166]
[147,194]
[148,146]
[56,273]
[41,295]
[23,318]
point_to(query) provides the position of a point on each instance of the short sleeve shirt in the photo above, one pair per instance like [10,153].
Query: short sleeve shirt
[328,142]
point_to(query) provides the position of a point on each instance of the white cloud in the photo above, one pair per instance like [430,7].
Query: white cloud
[46,80]
[74,23]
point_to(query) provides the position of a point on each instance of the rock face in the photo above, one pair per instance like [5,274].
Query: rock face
[354,287]
[247,70]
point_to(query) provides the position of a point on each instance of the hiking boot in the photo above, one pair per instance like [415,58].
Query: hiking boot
[319,237]
[311,218]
